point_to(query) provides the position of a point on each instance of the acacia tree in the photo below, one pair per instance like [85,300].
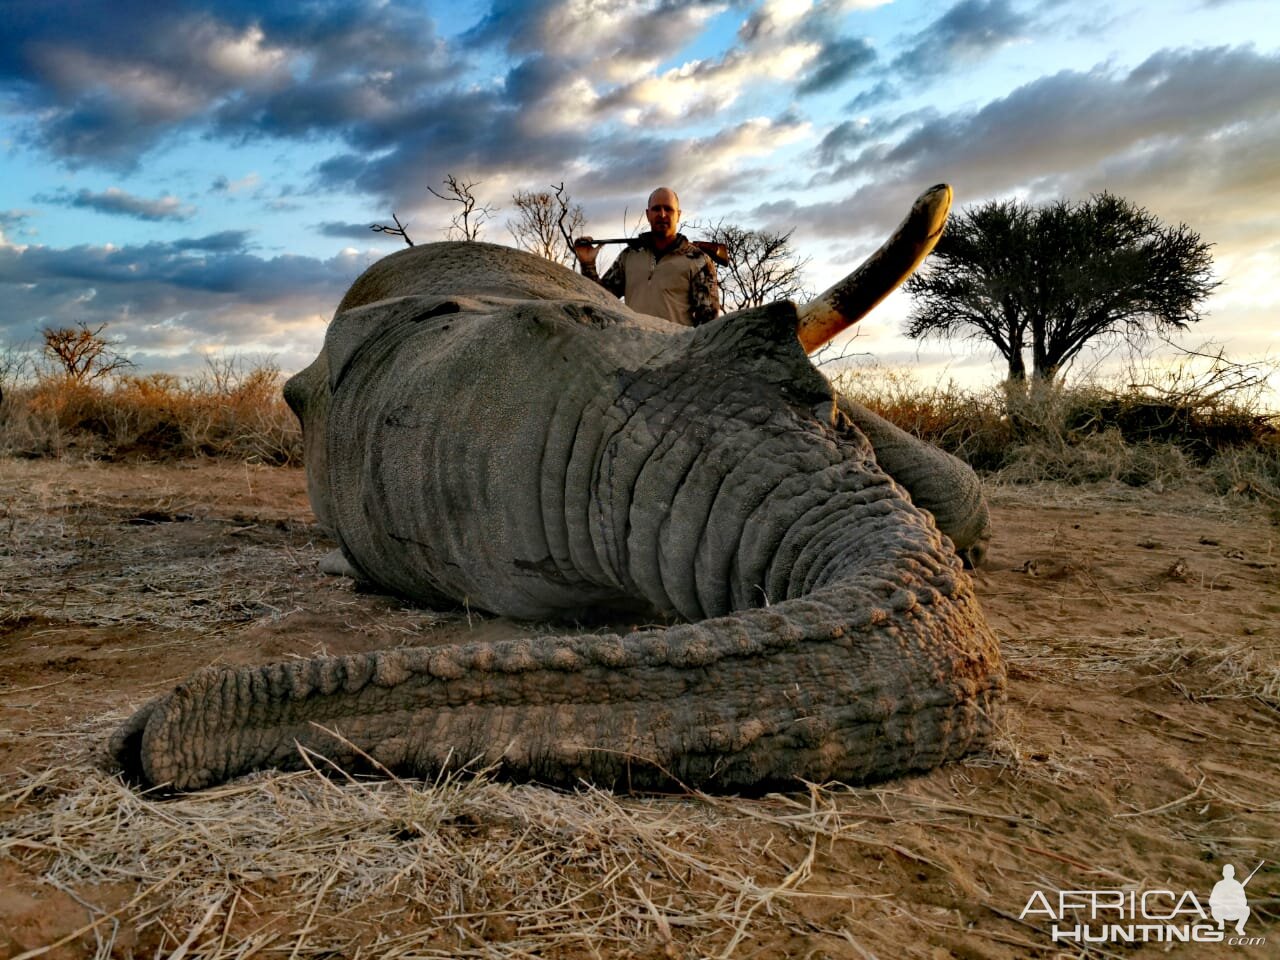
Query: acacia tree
[465,225]
[82,353]
[1058,278]
[762,266]
[547,222]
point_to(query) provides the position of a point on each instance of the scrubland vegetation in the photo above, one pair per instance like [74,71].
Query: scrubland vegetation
[1209,428]
[233,409]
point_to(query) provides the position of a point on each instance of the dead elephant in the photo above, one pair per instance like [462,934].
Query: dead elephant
[483,425]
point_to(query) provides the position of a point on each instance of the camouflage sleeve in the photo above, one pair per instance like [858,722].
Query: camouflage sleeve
[704,294]
[614,279]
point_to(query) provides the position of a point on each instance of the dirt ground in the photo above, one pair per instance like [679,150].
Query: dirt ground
[1139,753]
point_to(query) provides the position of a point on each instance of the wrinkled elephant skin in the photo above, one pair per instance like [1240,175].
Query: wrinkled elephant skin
[485,427]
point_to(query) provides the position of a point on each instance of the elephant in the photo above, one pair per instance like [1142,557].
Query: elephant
[483,426]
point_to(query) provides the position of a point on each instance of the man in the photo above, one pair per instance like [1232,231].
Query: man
[660,272]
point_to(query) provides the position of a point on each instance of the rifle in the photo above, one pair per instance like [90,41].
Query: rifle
[716,251]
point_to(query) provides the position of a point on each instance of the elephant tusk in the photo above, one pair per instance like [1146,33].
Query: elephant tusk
[848,301]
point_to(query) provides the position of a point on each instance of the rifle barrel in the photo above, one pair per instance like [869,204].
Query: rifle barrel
[716,251]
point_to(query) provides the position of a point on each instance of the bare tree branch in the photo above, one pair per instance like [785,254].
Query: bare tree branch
[547,223]
[399,230]
[762,266]
[466,224]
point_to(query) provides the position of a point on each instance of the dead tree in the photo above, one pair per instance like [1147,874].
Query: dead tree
[547,223]
[466,224]
[762,266]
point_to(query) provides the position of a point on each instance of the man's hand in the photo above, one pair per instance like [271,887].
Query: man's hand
[586,251]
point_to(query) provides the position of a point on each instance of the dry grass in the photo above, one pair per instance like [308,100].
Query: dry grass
[1226,669]
[233,410]
[301,865]
[1161,434]
[306,866]
[1208,431]
[1156,786]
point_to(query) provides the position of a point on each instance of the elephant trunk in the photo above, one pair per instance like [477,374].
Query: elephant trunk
[868,677]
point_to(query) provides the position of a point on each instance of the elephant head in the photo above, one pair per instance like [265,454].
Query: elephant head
[484,426]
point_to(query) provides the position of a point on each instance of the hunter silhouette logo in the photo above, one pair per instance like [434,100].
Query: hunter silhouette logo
[1228,900]
[1147,916]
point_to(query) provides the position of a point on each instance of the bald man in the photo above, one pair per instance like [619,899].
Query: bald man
[660,272]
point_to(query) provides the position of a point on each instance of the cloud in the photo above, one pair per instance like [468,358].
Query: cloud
[702,164]
[849,136]
[703,88]
[223,241]
[1188,150]
[616,43]
[227,187]
[836,62]
[117,202]
[781,42]
[190,294]
[778,23]
[392,107]
[1065,124]
[103,87]
[967,31]
[14,223]
[883,92]
[351,231]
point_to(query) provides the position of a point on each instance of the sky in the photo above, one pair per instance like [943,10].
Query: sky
[201,175]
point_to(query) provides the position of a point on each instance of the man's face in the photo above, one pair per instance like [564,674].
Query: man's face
[663,214]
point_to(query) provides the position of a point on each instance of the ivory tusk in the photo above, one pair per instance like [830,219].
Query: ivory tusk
[848,301]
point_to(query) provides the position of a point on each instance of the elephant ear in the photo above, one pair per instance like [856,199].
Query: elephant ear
[353,330]
[762,342]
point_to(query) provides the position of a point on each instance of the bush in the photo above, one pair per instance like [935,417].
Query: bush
[1133,434]
[973,426]
[232,410]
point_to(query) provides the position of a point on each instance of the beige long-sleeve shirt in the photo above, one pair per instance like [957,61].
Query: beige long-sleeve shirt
[680,285]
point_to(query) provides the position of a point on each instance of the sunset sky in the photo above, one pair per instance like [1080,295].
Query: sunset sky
[202,175]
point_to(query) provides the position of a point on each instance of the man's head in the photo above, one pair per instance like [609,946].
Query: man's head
[1228,871]
[663,213]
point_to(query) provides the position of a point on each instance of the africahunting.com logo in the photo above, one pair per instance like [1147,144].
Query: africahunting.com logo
[1148,916]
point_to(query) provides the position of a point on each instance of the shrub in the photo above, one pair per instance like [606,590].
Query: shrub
[233,410]
[1129,433]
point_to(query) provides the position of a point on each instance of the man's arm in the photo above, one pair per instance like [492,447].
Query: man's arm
[704,294]
[615,278]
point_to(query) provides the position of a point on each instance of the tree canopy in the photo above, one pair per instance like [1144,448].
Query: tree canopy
[1058,277]
[82,353]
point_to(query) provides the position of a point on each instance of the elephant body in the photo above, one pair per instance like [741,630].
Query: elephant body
[485,427]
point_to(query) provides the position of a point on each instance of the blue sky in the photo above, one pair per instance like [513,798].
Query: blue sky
[202,174]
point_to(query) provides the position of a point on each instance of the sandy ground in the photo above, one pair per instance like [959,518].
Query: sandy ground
[1139,753]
